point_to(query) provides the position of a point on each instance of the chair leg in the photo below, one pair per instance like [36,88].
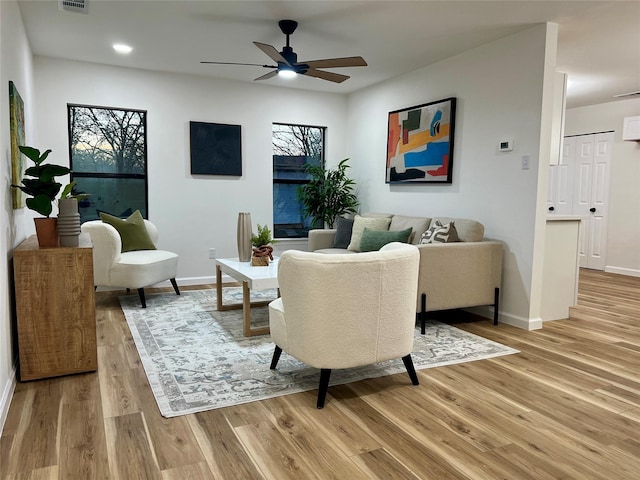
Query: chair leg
[325,374]
[175,285]
[142,299]
[423,312]
[275,358]
[496,299]
[408,363]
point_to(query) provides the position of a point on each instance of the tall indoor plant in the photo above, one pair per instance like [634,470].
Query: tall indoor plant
[42,190]
[329,195]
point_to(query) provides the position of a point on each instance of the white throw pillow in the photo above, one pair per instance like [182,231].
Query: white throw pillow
[359,224]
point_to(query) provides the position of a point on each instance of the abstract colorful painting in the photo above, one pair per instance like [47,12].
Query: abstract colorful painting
[16,128]
[420,143]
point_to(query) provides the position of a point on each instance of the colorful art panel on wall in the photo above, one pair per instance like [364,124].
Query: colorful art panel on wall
[420,143]
[16,129]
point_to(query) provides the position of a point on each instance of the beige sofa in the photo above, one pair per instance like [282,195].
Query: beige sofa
[462,274]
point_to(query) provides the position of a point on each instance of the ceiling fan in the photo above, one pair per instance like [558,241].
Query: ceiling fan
[287,60]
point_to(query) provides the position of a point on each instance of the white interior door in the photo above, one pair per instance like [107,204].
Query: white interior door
[591,194]
[560,194]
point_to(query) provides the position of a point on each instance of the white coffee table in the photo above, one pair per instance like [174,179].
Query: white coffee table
[256,278]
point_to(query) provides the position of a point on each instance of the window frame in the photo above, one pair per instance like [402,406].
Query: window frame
[135,176]
[323,131]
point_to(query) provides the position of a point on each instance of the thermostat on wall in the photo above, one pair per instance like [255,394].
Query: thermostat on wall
[505,145]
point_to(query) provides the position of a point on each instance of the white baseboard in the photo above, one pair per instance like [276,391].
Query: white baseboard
[623,271]
[7,395]
[521,322]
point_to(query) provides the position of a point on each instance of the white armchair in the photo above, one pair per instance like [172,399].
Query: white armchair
[135,269]
[343,311]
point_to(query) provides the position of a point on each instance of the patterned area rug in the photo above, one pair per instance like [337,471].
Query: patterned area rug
[197,359]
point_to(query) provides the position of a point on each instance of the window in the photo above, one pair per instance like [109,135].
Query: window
[108,159]
[294,146]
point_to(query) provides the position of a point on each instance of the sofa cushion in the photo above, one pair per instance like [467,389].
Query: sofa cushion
[438,233]
[373,240]
[468,230]
[343,232]
[417,224]
[132,230]
[359,224]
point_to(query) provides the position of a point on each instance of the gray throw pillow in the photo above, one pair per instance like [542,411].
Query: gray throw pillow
[375,239]
[343,233]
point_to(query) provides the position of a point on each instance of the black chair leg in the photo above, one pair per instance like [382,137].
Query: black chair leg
[496,299]
[423,312]
[175,285]
[325,374]
[408,364]
[275,358]
[142,299]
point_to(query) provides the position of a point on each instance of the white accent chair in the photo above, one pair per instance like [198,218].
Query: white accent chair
[343,311]
[136,269]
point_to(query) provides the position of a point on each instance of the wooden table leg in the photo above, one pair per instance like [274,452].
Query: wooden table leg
[246,311]
[219,287]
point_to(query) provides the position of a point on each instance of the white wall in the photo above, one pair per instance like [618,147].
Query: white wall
[15,225]
[193,213]
[499,95]
[623,238]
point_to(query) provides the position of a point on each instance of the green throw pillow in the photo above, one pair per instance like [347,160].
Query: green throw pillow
[376,239]
[359,224]
[132,231]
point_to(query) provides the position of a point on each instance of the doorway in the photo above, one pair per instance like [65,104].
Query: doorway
[579,186]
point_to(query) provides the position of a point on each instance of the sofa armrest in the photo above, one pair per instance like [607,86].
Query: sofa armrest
[321,238]
[459,275]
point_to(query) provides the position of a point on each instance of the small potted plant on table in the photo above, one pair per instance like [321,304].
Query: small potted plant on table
[262,247]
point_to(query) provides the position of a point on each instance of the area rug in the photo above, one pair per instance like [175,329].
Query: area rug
[197,359]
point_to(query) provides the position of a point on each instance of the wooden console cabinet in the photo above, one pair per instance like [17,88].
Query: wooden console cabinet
[56,310]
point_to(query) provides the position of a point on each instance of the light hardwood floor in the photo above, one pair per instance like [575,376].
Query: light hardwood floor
[566,407]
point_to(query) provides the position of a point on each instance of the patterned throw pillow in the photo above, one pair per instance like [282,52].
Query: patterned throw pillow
[439,233]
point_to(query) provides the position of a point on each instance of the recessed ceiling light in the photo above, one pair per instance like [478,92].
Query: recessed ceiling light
[122,48]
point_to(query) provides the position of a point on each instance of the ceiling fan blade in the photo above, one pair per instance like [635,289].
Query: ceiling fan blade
[332,77]
[337,62]
[271,52]
[267,75]
[249,64]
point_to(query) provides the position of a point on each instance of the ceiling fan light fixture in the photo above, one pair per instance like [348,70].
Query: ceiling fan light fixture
[287,73]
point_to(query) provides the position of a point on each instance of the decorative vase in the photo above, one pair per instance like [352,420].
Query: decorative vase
[68,222]
[47,231]
[244,236]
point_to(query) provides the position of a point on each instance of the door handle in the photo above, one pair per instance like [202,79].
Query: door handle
[592,209]
[551,209]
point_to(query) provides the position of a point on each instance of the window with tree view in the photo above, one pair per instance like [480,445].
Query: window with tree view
[294,147]
[108,159]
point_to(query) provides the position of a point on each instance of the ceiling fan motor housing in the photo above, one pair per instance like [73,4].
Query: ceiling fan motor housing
[292,58]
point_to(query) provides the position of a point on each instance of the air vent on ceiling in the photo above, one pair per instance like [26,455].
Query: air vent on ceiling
[78,6]
[630,94]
